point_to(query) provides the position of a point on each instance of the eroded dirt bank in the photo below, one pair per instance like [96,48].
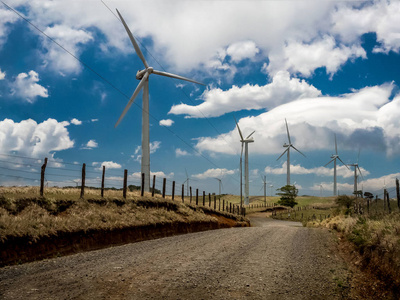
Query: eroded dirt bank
[275,260]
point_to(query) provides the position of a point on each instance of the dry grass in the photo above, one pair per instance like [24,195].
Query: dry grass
[23,213]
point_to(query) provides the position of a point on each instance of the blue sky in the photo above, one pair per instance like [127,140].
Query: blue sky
[331,69]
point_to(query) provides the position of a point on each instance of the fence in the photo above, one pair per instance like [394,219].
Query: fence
[168,187]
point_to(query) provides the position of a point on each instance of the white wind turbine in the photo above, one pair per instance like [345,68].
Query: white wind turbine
[356,167]
[244,141]
[334,157]
[288,146]
[220,185]
[143,76]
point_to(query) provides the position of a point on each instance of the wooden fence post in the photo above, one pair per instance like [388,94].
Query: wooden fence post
[215,202]
[190,195]
[154,186]
[388,202]
[163,187]
[83,180]
[125,183]
[204,198]
[142,187]
[42,176]
[209,200]
[173,190]
[183,193]
[223,205]
[197,196]
[219,204]
[384,199]
[398,193]
[230,207]
[102,181]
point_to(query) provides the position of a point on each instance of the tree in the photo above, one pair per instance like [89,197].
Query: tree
[368,195]
[344,200]
[288,195]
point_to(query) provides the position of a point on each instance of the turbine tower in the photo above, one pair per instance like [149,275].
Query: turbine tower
[264,180]
[334,157]
[288,146]
[219,184]
[245,142]
[143,76]
[356,167]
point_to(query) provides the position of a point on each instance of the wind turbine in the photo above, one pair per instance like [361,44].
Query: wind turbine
[264,179]
[244,141]
[187,180]
[356,167]
[288,146]
[220,185]
[143,76]
[334,157]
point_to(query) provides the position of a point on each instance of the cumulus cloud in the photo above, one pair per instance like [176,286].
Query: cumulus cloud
[214,173]
[109,165]
[217,102]
[365,118]
[76,121]
[26,86]
[2,75]
[159,174]
[241,50]
[179,152]
[28,138]
[303,59]
[70,38]
[90,145]
[167,122]
[7,18]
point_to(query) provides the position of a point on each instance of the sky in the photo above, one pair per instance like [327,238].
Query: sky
[67,70]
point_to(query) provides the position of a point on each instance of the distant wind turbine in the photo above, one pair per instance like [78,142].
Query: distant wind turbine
[219,184]
[334,157]
[187,182]
[143,76]
[245,142]
[356,167]
[264,180]
[288,146]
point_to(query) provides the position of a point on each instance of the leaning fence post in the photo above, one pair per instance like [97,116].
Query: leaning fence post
[154,186]
[173,190]
[83,180]
[142,187]
[125,183]
[163,187]
[42,176]
[197,196]
[183,193]
[102,181]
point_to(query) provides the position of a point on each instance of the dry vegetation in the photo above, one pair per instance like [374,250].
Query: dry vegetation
[24,213]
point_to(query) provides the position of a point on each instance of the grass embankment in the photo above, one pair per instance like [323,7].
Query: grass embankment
[23,213]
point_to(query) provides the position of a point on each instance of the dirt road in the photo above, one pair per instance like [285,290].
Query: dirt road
[275,260]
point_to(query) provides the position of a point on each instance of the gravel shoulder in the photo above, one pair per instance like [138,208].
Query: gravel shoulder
[272,260]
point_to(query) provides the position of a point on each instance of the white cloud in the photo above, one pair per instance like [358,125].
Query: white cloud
[94,120]
[179,152]
[28,138]
[377,16]
[71,39]
[300,58]
[76,121]
[7,17]
[154,146]
[365,118]
[217,102]
[90,145]
[159,174]
[109,165]
[241,50]
[2,75]
[26,86]
[214,173]
[167,122]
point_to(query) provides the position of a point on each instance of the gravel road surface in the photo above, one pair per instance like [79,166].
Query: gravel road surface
[272,260]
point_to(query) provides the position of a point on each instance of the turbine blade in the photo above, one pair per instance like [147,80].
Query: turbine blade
[329,162]
[241,153]
[335,145]
[287,149]
[187,176]
[135,45]
[297,150]
[360,172]
[358,157]
[134,95]
[176,76]
[240,132]
[287,129]
[343,163]
[250,134]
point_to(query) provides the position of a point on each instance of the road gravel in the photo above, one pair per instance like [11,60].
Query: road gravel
[271,260]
